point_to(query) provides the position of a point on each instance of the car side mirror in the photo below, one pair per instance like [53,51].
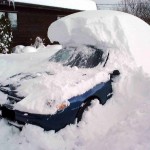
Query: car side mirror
[114,74]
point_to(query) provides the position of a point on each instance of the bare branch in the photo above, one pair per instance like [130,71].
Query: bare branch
[139,8]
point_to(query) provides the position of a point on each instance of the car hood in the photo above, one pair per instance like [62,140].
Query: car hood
[44,91]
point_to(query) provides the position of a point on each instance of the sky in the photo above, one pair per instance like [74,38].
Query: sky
[109,2]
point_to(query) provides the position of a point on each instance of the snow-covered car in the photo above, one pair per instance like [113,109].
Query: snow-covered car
[52,91]
[85,57]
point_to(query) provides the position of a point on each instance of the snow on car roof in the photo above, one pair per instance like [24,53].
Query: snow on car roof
[105,28]
[70,4]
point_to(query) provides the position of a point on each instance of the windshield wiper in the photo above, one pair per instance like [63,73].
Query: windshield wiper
[106,60]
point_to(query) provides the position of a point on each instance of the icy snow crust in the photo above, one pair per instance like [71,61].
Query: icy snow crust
[122,123]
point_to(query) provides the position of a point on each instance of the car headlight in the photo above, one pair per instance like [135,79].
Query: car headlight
[62,106]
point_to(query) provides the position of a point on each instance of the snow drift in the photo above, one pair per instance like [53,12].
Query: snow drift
[105,29]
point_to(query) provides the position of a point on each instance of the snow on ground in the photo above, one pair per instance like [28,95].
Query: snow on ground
[123,122]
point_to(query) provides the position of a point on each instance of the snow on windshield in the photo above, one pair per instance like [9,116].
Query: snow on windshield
[85,56]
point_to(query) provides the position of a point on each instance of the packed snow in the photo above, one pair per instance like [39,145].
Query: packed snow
[73,4]
[123,122]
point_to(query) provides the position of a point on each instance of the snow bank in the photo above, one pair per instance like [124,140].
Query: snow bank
[109,29]
[53,48]
[17,49]
[24,49]
[73,4]
[31,49]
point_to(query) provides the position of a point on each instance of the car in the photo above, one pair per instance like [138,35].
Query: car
[85,57]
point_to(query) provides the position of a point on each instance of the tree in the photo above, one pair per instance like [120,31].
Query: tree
[5,35]
[139,8]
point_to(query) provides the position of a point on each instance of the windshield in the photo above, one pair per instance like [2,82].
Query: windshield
[85,56]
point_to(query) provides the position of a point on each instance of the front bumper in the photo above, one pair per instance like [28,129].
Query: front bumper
[6,111]
[47,122]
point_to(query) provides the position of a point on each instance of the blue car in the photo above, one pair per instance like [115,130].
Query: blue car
[68,57]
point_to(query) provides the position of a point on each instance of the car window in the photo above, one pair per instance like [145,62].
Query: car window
[85,56]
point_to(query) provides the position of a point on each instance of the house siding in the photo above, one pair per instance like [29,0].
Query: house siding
[33,21]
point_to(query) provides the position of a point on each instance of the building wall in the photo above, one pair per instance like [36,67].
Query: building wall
[33,22]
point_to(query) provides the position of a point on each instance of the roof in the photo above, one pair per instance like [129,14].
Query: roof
[69,4]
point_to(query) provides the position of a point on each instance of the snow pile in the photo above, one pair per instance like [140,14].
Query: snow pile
[31,49]
[53,48]
[24,49]
[123,122]
[73,4]
[17,49]
[105,29]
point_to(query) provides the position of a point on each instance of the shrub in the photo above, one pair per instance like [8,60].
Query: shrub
[5,35]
